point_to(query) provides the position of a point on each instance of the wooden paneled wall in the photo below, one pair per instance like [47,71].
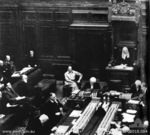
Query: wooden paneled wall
[49,28]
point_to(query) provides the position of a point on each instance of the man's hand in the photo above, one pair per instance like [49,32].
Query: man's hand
[9,105]
[18,98]
[58,113]
[1,86]
[78,81]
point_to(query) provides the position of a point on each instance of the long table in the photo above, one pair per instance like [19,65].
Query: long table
[105,124]
[89,119]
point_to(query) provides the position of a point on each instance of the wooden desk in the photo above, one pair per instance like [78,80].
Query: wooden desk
[126,75]
[81,121]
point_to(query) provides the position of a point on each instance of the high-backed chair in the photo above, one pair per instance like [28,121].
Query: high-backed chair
[125,21]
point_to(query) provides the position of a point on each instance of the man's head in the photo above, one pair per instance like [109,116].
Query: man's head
[1,63]
[53,96]
[31,53]
[143,86]
[8,85]
[25,78]
[138,83]
[92,80]
[7,58]
[69,68]
[43,118]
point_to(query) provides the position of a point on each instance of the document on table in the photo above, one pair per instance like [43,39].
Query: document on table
[62,129]
[128,117]
[133,101]
[25,70]
[75,113]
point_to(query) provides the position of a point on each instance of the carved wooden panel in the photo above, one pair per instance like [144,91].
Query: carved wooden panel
[7,39]
[62,44]
[46,40]
[80,15]
[125,36]
[29,15]
[45,16]
[6,15]
[30,38]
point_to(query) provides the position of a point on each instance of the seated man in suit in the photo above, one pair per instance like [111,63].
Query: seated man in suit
[144,98]
[70,78]
[91,85]
[31,59]
[36,125]
[136,90]
[53,109]
[24,89]
[9,67]
[12,99]
[2,69]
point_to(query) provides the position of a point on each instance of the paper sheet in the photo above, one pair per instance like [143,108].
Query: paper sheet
[75,113]
[62,129]
[133,101]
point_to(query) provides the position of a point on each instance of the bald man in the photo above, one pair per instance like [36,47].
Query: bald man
[70,78]
[91,85]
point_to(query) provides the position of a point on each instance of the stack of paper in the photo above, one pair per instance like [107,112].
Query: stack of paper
[76,91]
[128,117]
[61,130]
[24,70]
[75,113]
[131,111]
[133,101]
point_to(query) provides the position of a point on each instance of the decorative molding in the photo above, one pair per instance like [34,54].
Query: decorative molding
[123,9]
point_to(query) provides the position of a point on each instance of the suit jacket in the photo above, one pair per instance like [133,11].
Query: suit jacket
[9,95]
[135,93]
[50,108]
[9,68]
[35,127]
[23,89]
[32,61]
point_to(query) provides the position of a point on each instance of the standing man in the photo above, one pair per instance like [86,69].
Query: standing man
[70,78]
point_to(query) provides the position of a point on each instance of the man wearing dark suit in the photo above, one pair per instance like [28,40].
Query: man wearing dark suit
[90,86]
[36,125]
[13,100]
[31,59]
[24,89]
[2,69]
[53,109]
[9,67]
[136,90]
